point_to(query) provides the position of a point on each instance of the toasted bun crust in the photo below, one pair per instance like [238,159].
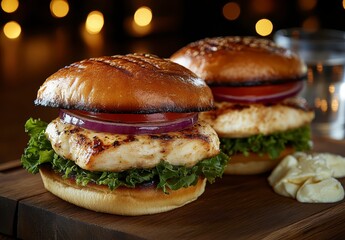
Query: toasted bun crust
[122,201]
[253,163]
[133,83]
[240,61]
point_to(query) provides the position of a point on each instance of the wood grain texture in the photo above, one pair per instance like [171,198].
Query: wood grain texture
[7,166]
[15,186]
[235,207]
[232,209]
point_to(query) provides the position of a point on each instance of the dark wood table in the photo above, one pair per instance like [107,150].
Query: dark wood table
[235,207]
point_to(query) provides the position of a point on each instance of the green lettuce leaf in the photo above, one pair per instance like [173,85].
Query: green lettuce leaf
[273,145]
[39,153]
[39,149]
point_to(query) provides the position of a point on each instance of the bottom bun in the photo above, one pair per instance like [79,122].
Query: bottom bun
[121,201]
[253,163]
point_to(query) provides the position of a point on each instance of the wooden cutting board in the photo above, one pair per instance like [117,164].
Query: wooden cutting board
[235,207]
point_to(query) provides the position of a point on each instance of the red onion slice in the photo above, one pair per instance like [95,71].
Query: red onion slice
[278,96]
[127,128]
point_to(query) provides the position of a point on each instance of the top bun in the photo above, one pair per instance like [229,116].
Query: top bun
[240,61]
[133,83]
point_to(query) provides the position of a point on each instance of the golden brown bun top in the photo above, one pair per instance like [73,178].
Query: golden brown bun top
[133,83]
[238,61]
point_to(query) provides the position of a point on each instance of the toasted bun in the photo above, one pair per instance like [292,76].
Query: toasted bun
[133,83]
[122,201]
[240,61]
[253,163]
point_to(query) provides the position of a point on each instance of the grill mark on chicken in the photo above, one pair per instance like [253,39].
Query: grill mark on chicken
[164,137]
[197,136]
[243,120]
[116,143]
[219,111]
[97,151]
[98,145]
[83,140]
[130,138]
[75,130]
[296,103]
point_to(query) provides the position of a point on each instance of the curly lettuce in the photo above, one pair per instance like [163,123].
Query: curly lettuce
[273,145]
[39,152]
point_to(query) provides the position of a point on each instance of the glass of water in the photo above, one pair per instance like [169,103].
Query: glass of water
[324,53]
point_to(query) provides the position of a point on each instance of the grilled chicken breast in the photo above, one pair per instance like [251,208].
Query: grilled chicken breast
[236,120]
[98,151]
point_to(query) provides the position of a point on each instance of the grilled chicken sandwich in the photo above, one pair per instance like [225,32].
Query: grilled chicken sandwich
[127,139]
[258,115]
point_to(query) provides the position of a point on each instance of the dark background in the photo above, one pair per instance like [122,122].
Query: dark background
[47,43]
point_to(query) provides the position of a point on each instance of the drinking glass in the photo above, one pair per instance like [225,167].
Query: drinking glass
[324,53]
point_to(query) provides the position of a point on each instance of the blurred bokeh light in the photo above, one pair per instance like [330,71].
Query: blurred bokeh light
[59,8]
[264,27]
[94,22]
[128,21]
[231,10]
[9,6]
[40,37]
[143,16]
[12,30]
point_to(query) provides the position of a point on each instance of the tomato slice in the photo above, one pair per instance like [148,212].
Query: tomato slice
[267,93]
[133,118]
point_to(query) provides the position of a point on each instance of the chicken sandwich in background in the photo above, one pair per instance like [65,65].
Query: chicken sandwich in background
[258,116]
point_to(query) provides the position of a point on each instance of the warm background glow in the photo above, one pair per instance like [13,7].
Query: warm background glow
[311,23]
[9,6]
[307,5]
[138,30]
[143,16]
[41,41]
[263,6]
[94,22]
[59,8]
[231,10]
[229,17]
[12,30]
[264,27]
